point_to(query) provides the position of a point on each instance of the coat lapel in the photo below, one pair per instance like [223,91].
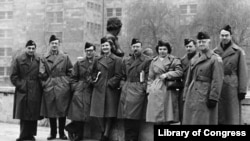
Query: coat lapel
[199,58]
[136,62]
[35,60]
[59,58]
[102,61]
[228,52]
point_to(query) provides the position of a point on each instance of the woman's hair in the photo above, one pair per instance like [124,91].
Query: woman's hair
[162,43]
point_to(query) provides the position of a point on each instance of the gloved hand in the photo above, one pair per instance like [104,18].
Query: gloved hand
[211,103]
[241,96]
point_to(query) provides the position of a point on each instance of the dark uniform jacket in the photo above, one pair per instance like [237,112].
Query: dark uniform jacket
[105,95]
[235,83]
[56,87]
[133,99]
[204,83]
[82,90]
[28,93]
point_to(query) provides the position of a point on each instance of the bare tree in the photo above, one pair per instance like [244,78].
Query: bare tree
[213,15]
[153,20]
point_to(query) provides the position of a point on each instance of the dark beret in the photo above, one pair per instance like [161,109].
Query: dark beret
[227,28]
[202,35]
[187,41]
[135,41]
[87,45]
[30,43]
[53,38]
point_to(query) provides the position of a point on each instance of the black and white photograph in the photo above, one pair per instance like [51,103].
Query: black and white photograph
[124,70]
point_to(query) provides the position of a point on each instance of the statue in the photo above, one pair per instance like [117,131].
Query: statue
[114,26]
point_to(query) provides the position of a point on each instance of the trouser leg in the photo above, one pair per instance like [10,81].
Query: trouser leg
[53,126]
[131,128]
[62,121]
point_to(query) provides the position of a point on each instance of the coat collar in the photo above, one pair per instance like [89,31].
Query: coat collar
[59,58]
[199,58]
[225,53]
[105,62]
[133,62]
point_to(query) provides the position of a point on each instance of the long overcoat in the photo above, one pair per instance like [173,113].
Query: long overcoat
[28,92]
[82,90]
[133,99]
[105,95]
[56,88]
[163,103]
[204,82]
[235,82]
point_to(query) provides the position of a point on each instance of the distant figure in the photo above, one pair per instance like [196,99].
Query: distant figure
[148,52]
[28,93]
[55,71]
[236,78]
[114,26]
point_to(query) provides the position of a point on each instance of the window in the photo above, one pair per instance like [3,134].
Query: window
[55,1]
[2,52]
[5,51]
[5,33]
[109,12]
[118,12]
[183,9]
[193,8]
[55,17]
[1,71]
[8,51]
[6,15]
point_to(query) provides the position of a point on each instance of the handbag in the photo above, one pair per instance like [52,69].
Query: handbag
[174,84]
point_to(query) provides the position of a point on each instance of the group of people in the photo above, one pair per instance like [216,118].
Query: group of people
[205,87]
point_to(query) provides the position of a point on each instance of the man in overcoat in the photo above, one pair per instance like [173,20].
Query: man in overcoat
[28,92]
[236,78]
[203,85]
[79,109]
[55,71]
[132,105]
[191,50]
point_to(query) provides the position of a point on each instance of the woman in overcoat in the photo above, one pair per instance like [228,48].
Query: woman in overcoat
[106,74]
[163,99]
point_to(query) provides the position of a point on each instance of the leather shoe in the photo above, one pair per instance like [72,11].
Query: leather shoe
[63,137]
[51,137]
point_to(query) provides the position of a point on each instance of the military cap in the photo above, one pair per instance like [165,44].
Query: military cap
[53,38]
[202,35]
[187,41]
[227,28]
[30,43]
[135,41]
[87,45]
